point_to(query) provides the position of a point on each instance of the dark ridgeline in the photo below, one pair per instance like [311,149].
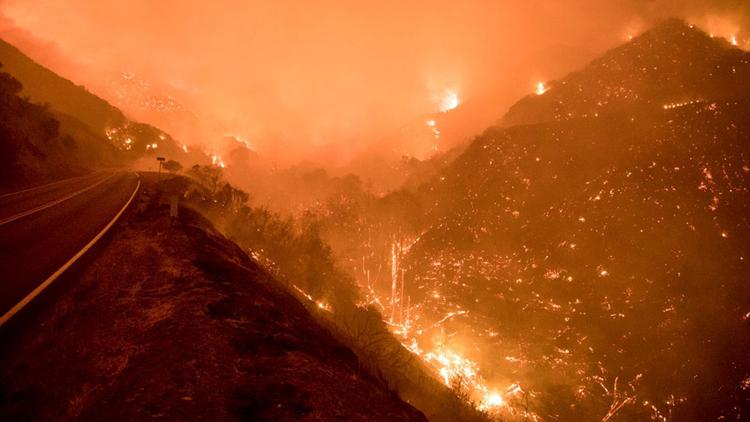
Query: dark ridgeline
[603,234]
[32,147]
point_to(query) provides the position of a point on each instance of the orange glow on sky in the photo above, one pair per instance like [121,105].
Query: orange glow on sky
[325,80]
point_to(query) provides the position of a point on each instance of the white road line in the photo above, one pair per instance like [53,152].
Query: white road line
[25,301]
[52,203]
[46,185]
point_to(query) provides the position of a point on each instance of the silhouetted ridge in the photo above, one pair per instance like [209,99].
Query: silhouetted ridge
[42,85]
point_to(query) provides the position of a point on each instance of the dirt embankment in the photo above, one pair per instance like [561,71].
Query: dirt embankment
[174,321]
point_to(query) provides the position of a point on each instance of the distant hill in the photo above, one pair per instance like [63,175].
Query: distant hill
[673,63]
[597,244]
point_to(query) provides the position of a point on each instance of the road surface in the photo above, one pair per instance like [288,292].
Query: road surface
[43,230]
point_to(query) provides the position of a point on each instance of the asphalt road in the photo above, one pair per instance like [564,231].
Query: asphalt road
[43,228]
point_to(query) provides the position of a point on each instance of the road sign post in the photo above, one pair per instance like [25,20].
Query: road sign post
[174,207]
[160,160]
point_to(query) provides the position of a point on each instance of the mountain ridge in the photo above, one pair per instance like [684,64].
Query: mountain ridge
[672,64]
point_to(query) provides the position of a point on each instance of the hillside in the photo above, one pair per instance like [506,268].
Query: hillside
[586,260]
[84,111]
[606,247]
[601,252]
[36,146]
[44,86]
[174,321]
[672,64]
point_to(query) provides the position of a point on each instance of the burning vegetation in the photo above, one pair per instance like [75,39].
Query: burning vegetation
[588,266]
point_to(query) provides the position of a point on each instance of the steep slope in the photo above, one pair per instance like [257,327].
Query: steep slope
[598,259]
[74,105]
[44,86]
[33,145]
[174,321]
[669,65]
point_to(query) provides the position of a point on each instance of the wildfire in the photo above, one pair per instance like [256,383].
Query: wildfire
[449,101]
[671,106]
[540,88]
[449,366]
[491,401]
[217,161]
[462,374]
[452,366]
[318,303]
[241,140]
[432,124]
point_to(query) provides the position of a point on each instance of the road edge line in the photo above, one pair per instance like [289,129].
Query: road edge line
[34,293]
[52,203]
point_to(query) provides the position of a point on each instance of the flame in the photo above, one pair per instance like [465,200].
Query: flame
[451,366]
[449,101]
[319,303]
[424,336]
[217,161]
[491,401]
[242,141]
[540,88]
[432,124]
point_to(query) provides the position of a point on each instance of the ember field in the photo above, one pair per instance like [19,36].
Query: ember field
[591,264]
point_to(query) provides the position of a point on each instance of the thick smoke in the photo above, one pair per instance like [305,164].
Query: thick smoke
[327,79]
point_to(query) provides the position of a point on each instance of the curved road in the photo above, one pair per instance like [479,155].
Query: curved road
[43,230]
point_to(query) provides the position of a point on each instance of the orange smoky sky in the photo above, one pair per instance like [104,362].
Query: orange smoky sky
[326,79]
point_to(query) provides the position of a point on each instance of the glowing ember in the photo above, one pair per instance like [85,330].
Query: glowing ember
[680,104]
[540,88]
[432,124]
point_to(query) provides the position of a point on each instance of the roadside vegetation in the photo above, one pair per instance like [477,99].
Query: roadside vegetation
[296,254]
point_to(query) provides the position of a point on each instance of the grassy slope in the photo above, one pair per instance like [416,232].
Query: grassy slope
[177,322]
